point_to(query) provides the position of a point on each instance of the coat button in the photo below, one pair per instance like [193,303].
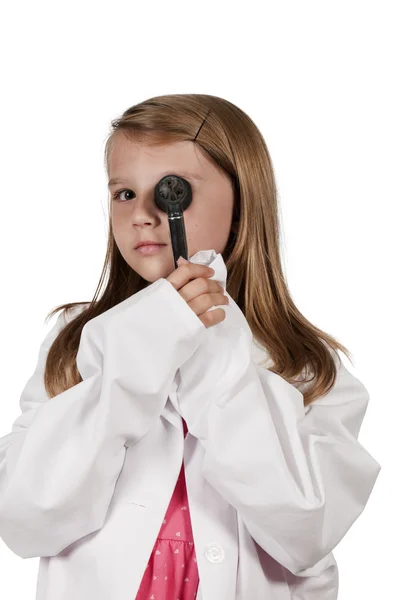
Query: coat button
[214,553]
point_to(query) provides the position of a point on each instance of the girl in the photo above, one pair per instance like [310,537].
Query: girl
[147,385]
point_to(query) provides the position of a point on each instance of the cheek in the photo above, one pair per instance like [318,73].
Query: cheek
[213,223]
[208,229]
[117,226]
[203,233]
[119,216]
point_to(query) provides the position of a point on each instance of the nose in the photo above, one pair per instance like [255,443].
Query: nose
[144,209]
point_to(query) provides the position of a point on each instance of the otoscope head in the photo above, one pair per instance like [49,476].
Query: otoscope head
[173,195]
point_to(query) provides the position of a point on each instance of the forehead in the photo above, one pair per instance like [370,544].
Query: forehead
[127,157]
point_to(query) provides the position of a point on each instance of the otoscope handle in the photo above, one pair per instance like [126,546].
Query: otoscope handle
[178,238]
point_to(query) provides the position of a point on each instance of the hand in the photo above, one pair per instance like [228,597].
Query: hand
[192,283]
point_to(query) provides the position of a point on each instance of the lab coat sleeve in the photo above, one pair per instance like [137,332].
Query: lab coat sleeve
[60,463]
[297,476]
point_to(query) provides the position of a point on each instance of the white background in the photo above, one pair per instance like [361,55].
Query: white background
[319,80]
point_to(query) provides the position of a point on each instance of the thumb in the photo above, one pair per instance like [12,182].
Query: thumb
[181,261]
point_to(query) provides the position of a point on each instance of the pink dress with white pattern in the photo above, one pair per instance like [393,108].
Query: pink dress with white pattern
[172,573]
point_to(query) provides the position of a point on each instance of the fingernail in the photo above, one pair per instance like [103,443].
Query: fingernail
[181,260]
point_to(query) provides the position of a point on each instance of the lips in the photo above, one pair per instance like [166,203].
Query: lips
[150,249]
[148,243]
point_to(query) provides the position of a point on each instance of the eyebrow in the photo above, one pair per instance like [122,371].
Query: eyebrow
[193,176]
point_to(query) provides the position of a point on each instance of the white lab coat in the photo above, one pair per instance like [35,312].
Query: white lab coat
[86,477]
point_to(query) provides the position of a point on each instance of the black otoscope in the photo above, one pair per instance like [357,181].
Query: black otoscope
[173,195]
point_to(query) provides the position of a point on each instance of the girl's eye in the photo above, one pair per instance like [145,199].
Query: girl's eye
[116,195]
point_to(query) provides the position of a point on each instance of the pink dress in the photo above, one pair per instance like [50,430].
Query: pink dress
[172,573]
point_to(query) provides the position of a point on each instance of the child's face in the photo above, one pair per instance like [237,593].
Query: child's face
[136,217]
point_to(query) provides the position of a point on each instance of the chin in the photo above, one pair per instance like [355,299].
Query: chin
[151,268]
[150,275]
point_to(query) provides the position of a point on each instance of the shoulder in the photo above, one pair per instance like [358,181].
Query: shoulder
[68,314]
[344,380]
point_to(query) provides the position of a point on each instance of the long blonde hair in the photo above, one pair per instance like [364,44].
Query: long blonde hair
[255,281]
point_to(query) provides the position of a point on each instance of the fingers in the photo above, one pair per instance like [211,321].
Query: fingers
[188,271]
[198,287]
[202,303]
[213,317]
[201,293]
